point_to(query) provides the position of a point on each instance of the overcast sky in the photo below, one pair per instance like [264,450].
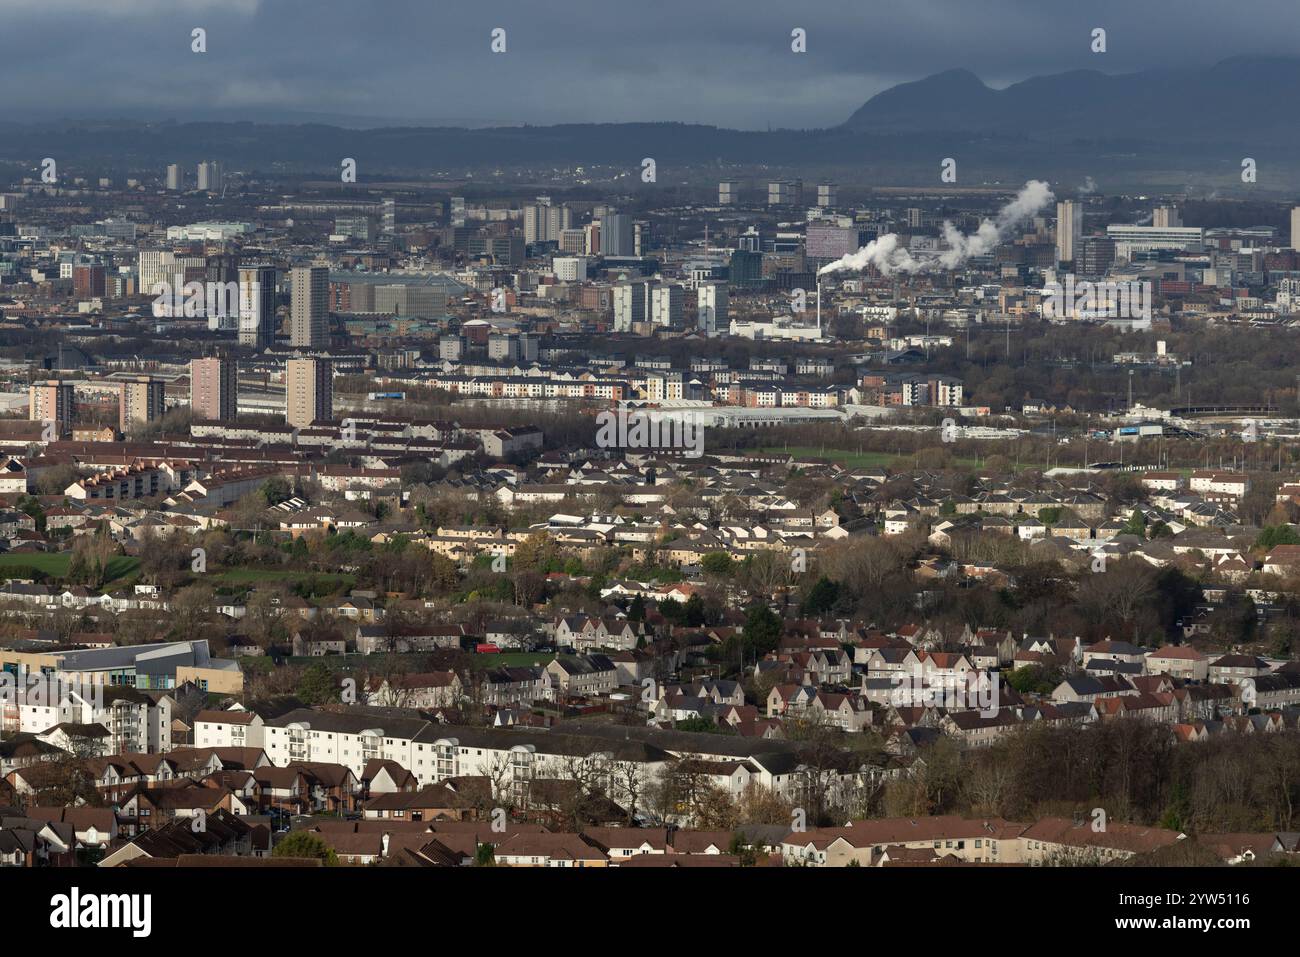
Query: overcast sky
[722,62]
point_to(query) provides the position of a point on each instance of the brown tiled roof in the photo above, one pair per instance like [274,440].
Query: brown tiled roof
[555,846]
[1130,837]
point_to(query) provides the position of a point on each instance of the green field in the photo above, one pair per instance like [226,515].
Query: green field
[249,576]
[512,659]
[869,460]
[333,662]
[53,565]
[56,565]
[853,460]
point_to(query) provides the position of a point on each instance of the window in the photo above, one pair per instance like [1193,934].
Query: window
[446,761]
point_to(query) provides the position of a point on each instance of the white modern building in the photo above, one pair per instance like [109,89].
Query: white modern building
[1132,239]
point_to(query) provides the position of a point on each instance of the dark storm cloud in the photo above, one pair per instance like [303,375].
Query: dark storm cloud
[724,62]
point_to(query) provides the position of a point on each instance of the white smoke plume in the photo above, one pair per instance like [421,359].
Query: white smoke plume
[1089,186]
[889,257]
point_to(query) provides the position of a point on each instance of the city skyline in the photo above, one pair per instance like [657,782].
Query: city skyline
[850,436]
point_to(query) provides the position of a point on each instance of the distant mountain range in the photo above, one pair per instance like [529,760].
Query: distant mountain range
[1243,97]
[1157,129]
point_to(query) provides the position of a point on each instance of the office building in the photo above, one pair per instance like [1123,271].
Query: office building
[543,222]
[502,347]
[658,303]
[88,280]
[785,194]
[309,392]
[629,305]
[356,226]
[667,305]
[223,268]
[828,194]
[745,271]
[616,235]
[221,278]
[154,665]
[175,178]
[308,312]
[711,308]
[573,241]
[728,194]
[410,299]
[571,268]
[490,244]
[214,389]
[511,347]
[451,348]
[142,401]
[1069,230]
[1097,256]
[1134,239]
[1166,216]
[155,266]
[51,401]
[211,176]
[824,242]
[257,306]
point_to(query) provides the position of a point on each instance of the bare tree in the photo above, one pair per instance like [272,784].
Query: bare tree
[628,781]
[500,775]
[393,689]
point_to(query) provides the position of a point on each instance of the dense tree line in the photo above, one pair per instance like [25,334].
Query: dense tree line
[1131,768]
